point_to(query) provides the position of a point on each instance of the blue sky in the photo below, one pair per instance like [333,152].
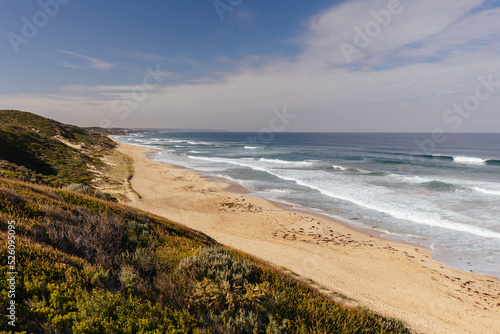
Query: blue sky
[356,65]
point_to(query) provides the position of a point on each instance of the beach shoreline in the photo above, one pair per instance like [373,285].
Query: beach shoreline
[395,279]
[236,188]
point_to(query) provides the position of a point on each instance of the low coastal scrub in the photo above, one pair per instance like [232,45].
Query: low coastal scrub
[87,190]
[86,265]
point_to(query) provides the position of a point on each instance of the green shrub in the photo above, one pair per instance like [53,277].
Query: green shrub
[88,190]
[218,264]
[129,278]
[144,261]
[105,196]
[247,322]
[137,233]
[227,292]
[79,188]
[101,279]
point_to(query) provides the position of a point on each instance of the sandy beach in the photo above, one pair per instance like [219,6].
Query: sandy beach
[355,268]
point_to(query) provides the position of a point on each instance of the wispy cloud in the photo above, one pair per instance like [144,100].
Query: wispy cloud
[150,57]
[413,25]
[79,61]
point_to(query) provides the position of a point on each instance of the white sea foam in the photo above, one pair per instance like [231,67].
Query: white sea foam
[487,191]
[281,191]
[251,147]
[462,185]
[190,142]
[237,162]
[346,169]
[284,162]
[373,198]
[469,160]
[416,179]
[462,159]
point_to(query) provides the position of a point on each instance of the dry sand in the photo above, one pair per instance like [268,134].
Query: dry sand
[394,279]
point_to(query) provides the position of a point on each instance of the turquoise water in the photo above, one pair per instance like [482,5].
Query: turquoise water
[444,196]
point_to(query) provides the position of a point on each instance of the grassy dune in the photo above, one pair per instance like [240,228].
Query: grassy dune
[40,150]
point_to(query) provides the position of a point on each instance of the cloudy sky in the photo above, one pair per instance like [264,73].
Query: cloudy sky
[355,65]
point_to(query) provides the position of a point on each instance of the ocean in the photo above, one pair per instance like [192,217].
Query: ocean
[441,192]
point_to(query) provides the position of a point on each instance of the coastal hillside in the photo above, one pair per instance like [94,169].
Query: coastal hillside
[85,264]
[40,150]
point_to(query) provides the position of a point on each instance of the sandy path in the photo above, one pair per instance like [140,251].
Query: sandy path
[393,279]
